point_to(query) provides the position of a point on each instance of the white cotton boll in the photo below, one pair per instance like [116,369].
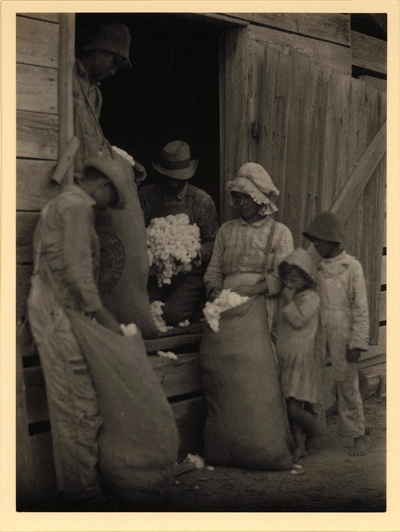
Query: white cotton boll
[226,300]
[195,459]
[167,354]
[124,154]
[185,323]
[129,330]
[172,244]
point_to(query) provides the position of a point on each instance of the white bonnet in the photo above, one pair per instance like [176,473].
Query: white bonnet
[254,180]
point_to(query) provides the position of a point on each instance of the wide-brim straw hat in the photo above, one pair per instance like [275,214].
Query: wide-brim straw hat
[175,161]
[116,172]
[326,226]
[112,37]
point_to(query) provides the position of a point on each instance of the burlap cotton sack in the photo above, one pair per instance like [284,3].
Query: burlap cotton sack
[124,266]
[138,438]
[246,423]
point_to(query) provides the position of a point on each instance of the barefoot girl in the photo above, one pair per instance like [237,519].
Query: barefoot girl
[296,330]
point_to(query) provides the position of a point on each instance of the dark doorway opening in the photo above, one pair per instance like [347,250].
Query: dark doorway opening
[171,92]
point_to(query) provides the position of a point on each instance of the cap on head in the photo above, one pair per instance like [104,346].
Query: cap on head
[112,37]
[175,161]
[326,226]
[116,172]
[302,259]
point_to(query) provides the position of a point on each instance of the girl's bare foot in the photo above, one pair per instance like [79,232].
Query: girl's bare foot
[315,444]
[359,448]
[299,452]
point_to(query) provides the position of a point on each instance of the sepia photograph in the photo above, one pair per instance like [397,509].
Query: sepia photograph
[201,242]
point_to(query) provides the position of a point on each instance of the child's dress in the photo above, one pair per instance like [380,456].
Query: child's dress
[296,330]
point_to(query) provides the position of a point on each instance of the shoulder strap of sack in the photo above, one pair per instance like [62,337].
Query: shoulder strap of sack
[270,237]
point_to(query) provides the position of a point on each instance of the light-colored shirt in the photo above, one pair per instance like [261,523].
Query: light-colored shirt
[68,245]
[242,248]
[342,289]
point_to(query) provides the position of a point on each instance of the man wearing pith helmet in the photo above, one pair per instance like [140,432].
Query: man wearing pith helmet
[103,56]
[173,194]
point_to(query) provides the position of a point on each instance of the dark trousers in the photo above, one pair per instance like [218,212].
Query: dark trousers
[183,298]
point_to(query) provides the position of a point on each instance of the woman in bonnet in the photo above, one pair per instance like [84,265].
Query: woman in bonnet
[248,250]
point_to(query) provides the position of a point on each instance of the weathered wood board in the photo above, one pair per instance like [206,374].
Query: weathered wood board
[331,27]
[37,135]
[51,17]
[37,89]
[44,35]
[368,52]
[34,184]
[329,54]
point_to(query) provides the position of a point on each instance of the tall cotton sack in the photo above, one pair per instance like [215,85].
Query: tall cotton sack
[138,438]
[246,423]
[124,266]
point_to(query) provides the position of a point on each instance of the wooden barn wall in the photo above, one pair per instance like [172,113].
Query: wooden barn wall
[37,55]
[309,125]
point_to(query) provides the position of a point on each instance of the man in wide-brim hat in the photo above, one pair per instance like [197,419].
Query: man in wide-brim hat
[107,52]
[172,194]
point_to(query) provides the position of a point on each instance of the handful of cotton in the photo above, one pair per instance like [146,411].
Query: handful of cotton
[226,300]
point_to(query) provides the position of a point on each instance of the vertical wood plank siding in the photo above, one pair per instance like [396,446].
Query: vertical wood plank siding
[37,150]
[316,124]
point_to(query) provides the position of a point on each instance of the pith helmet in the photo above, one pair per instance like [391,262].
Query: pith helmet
[112,37]
[116,172]
[325,226]
[175,161]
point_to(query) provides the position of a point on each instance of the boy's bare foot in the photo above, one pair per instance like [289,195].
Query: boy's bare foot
[315,444]
[299,452]
[359,448]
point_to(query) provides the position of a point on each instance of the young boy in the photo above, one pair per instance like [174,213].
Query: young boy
[66,249]
[345,322]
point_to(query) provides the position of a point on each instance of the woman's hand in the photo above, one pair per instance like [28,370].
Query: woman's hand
[214,293]
[105,318]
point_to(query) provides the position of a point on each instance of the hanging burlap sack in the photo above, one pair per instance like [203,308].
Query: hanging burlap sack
[138,438]
[124,266]
[246,423]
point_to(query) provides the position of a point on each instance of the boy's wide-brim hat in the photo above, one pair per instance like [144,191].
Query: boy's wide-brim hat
[117,172]
[326,226]
[175,161]
[112,37]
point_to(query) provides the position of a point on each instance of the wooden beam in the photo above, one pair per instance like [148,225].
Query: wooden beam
[65,96]
[234,138]
[64,163]
[347,197]
[369,52]
[332,27]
